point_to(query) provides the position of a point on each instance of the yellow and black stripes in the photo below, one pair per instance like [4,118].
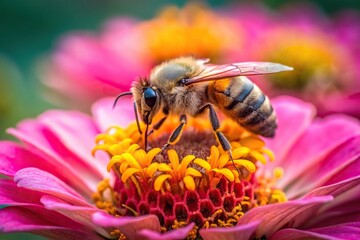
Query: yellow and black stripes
[244,102]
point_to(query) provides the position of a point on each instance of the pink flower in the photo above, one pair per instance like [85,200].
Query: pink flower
[83,58]
[324,53]
[125,49]
[56,188]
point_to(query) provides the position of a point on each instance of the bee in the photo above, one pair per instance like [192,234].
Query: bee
[187,86]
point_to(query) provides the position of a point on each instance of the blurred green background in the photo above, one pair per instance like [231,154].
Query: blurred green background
[29,31]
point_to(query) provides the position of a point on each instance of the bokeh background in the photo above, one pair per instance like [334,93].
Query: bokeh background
[30,31]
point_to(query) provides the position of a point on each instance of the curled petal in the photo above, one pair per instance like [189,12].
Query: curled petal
[128,173]
[115,159]
[184,163]
[202,163]
[160,180]
[151,154]
[250,166]
[240,152]
[44,182]
[226,172]
[152,169]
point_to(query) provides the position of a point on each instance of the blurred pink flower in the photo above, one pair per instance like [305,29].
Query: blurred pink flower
[73,71]
[52,178]
[323,51]
[125,49]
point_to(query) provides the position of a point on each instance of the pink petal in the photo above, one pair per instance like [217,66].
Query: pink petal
[19,219]
[296,234]
[10,194]
[69,134]
[38,180]
[42,222]
[328,167]
[79,214]
[349,171]
[344,208]
[313,146]
[15,157]
[241,231]
[180,233]
[58,233]
[349,231]
[129,226]
[106,116]
[274,217]
[42,142]
[77,132]
[336,188]
[294,117]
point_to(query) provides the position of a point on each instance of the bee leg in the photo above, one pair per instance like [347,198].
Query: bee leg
[157,125]
[225,144]
[176,134]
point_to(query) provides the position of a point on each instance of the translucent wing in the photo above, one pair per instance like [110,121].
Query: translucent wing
[212,72]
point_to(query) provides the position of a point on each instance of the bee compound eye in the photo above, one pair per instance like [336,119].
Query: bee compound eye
[183,81]
[150,96]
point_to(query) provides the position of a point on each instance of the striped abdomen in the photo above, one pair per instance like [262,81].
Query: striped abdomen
[243,101]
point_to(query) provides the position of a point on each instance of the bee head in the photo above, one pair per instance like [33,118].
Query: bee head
[150,104]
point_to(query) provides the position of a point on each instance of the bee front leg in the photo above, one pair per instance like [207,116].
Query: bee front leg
[176,134]
[157,125]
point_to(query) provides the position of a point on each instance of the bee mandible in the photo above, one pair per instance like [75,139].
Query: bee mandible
[187,86]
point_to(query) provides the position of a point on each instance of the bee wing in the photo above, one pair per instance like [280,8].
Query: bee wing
[212,72]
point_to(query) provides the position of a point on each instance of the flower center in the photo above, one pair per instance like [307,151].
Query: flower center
[317,67]
[193,181]
[187,32]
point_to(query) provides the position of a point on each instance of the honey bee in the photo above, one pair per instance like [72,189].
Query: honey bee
[187,86]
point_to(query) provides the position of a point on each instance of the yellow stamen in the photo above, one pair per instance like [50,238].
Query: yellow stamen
[189,182]
[257,155]
[128,173]
[184,164]
[278,172]
[193,172]
[151,154]
[250,166]
[163,167]
[173,158]
[226,172]
[202,163]
[152,169]
[240,152]
[160,180]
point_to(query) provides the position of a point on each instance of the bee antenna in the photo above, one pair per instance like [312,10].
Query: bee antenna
[119,96]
